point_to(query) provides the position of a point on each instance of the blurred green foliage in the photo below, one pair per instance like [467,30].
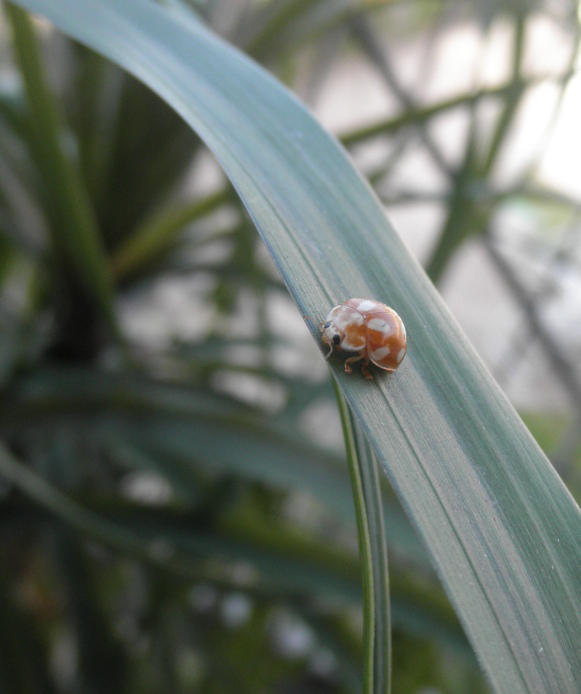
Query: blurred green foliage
[182,562]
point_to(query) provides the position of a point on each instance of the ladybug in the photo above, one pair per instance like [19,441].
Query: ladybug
[369,328]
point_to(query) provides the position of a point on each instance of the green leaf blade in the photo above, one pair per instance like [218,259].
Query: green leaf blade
[501,527]
[365,483]
[73,225]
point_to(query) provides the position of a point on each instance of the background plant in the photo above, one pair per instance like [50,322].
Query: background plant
[78,392]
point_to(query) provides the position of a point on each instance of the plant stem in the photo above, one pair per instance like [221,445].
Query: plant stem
[364,473]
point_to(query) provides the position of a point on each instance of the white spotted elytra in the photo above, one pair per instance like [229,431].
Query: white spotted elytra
[369,328]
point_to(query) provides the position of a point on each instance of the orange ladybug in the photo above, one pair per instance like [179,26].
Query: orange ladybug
[369,328]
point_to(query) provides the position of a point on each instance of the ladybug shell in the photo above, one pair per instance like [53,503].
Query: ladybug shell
[382,332]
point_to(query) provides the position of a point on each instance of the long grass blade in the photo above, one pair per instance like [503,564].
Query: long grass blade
[74,228]
[499,524]
[364,473]
[289,564]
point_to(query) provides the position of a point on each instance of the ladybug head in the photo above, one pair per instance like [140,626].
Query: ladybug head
[331,336]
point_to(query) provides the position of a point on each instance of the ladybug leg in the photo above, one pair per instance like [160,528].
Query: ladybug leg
[352,360]
[365,371]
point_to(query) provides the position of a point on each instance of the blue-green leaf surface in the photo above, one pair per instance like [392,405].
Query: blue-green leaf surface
[500,526]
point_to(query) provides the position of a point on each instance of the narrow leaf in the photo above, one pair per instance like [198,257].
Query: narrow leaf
[289,564]
[500,525]
[74,228]
[156,234]
[177,430]
[364,473]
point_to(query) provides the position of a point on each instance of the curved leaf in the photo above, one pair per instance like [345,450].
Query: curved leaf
[498,522]
[289,564]
[364,473]
[176,430]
